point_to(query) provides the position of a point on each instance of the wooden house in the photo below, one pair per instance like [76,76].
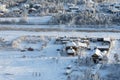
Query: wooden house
[71,51]
[97,56]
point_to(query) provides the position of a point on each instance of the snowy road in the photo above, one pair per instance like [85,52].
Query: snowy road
[46,28]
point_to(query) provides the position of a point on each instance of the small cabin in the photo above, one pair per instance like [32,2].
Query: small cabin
[107,40]
[97,56]
[71,51]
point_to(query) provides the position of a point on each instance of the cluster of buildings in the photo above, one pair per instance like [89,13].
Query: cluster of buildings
[37,9]
[96,48]
[111,8]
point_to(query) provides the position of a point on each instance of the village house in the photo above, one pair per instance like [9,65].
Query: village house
[71,48]
[97,56]
[71,51]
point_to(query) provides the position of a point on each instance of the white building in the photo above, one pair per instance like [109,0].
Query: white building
[3,8]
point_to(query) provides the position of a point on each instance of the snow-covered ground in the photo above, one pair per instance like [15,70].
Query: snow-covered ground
[28,48]
[33,69]
[47,64]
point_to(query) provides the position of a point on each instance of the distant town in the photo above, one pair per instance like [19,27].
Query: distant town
[73,12]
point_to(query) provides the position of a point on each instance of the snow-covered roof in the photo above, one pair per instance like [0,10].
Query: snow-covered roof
[3,8]
[98,52]
[68,71]
[81,44]
[70,51]
[106,46]
[71,44]
[107,39]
